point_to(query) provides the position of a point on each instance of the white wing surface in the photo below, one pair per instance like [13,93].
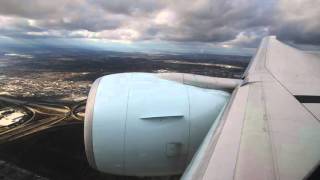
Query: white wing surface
[271,127]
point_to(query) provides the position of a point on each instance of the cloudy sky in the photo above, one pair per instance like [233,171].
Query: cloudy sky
[167,23]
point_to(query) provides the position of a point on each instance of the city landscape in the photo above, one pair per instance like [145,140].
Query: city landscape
[43,95]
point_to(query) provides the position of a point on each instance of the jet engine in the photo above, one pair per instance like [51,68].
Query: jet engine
[140,124]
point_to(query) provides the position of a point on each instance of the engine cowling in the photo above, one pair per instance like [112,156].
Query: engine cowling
[139,124]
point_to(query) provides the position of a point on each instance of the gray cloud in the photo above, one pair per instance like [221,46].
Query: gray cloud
[36,9]
[222,22]
[128,7]
[298,21]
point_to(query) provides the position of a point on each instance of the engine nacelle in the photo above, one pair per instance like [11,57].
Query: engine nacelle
[139,124]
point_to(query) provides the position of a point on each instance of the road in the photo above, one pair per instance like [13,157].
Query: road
[41,116]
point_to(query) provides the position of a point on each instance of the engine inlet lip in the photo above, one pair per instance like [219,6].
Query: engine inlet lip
[88,144]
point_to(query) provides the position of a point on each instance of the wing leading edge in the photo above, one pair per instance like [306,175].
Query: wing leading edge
[271,127]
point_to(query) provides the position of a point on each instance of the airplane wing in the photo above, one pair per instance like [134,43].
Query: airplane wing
[271,126]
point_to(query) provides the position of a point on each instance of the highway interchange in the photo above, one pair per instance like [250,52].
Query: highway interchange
[41,116]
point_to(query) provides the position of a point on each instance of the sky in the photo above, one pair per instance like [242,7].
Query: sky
[156,25]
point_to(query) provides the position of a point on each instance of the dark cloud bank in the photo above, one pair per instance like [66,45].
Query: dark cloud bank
[228,23]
